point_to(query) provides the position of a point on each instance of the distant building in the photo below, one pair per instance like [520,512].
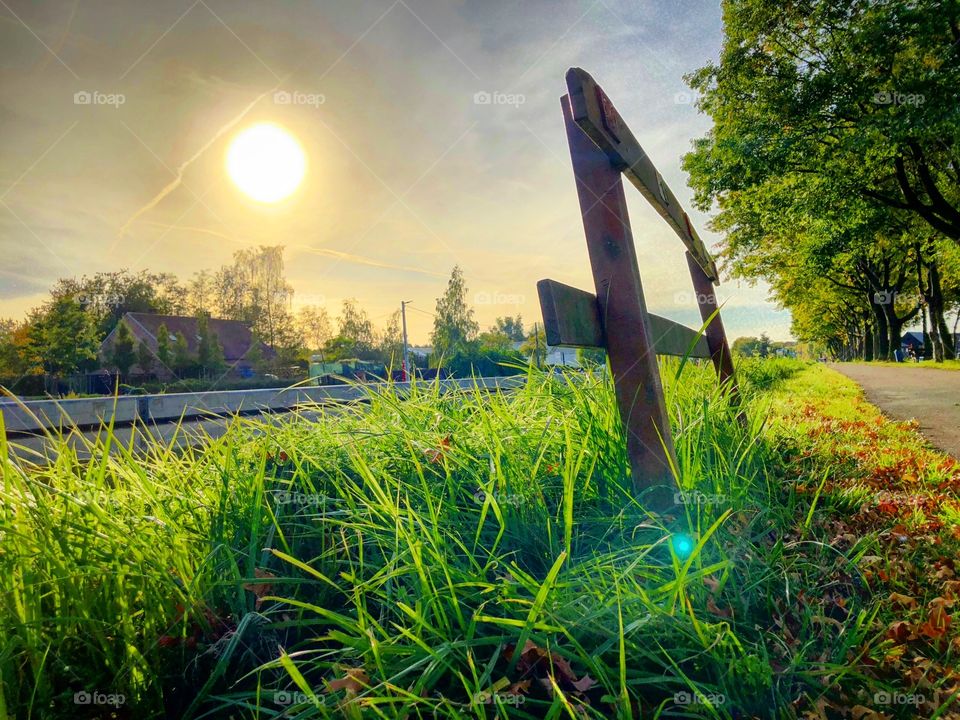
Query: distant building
[234,336]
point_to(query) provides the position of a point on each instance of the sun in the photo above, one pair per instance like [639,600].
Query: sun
[266,162]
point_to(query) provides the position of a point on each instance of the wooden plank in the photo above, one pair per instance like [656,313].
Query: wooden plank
[595,114]
[629,340]
[672,338]
[571,318]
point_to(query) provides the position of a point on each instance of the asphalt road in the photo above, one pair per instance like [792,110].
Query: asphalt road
[929,395]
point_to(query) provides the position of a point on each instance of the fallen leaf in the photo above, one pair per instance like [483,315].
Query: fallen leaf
[355,680]
[262,589]
[903,600]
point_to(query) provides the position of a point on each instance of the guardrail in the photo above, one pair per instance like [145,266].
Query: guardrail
[86,413]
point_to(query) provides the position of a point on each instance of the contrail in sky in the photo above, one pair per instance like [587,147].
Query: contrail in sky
[175,183]
[323,252]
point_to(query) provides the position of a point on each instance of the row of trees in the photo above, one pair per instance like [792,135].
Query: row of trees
[834,168]
[63,336]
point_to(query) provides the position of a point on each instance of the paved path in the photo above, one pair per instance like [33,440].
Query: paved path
[929,395]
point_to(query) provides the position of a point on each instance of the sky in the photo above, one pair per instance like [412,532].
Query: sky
[409,171]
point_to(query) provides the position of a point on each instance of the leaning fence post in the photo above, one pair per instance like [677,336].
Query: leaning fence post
[629,340]
[715,334]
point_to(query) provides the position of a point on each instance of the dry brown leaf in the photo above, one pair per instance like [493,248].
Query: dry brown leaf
[261,589]
[356,680]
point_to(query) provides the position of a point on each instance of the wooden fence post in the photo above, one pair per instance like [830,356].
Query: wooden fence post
[629,340]
[715,334]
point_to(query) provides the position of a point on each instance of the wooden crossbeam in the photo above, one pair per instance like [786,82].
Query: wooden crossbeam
[571,318]
[595,114]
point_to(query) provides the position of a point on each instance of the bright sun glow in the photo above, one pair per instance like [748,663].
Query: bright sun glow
[266,162]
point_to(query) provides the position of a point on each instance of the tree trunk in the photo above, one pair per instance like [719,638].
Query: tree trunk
[894,328]
[881,345]
[943,346]
[924,333]
[867,341]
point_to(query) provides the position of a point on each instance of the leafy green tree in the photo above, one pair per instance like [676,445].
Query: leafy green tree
[144,357]
[14,348]
[496,341]
[535,345]
[183,361]
[63,338]
[356,337]
[511,327]
[107,296]
[209,350]
[591,356]
[164,352]
[861,95]
[390,342]
[122,353]
[314,326]
[453,325]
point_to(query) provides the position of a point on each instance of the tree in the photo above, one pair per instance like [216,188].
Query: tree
[164,353]
[209,350]
[254,289]
[107,296]
[495,341]
[591,356]
[183,361]
[355,337]
[14,348]
[511,327]
[314,326]
[144,357]
[763,346]
[535,346]
[199,294]
[453,326]
[122,354]
[862,95]
[63,339]
[390,343]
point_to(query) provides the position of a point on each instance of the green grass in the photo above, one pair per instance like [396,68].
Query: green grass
[430,555]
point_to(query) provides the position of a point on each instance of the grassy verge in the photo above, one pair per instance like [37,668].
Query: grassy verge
[470,555]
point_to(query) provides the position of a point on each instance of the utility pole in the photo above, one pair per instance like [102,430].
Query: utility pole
[406,348]
[536,338]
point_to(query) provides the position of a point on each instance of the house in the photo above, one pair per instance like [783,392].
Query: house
[235,337]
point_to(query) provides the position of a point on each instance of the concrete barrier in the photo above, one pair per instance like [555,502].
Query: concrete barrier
[86,413]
